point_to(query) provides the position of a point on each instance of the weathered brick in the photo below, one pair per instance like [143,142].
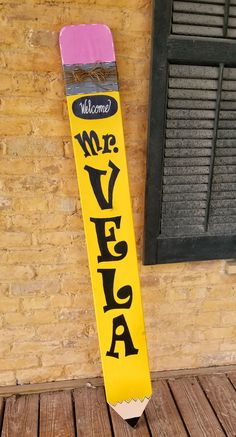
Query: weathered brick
[66,205]
[22,362]
[60,301]
[10,126]
[229,318]
[11,273]
[53,166]
[7,378]
[34,303]
[34,347]
[62,357]
[16,167]
[28,106]
[39,222]
[34,147]
[38,374]
[9,304]
[15,239]
[57,238]
[39,317]
[30,204]
[35,287]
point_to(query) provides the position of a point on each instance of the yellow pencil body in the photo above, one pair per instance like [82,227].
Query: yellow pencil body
[101,167]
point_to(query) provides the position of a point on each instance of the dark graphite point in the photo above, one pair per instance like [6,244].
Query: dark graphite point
[133,421]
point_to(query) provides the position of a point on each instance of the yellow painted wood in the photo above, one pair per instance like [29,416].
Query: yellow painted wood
[127,376]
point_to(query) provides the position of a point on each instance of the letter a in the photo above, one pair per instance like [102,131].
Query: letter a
[124,336]
[95,179]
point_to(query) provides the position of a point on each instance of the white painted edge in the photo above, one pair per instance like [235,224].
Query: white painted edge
[133,408]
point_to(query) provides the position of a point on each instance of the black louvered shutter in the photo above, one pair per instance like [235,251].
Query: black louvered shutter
[191,168]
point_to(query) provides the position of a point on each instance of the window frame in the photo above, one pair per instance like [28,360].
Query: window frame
[166,49]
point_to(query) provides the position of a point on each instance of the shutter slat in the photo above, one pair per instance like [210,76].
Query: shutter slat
[231,33]
[196,84]
[228,85]
[222,2]
[230,133]
[226,143]
[224,187]
[226,152]
[222,169]
[196,7]
[228,124]
[218,178]
[188,143]
[171,206]
[189,133]
[227,115]
[190,114]
[191,104]
[176,93]
[209,20]
[182,153]
[219,212]
[178,230]
[232,11]
[197,188]
[184,196]
[184,29]
[217,220]
[195,179]
[193,71]
[185,221]
[185,171]
[223,203]
[230,105]
[225,95]
[228,228]
[172,213]
[178,162]
[186,124]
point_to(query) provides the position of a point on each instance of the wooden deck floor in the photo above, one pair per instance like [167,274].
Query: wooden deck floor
[197,405]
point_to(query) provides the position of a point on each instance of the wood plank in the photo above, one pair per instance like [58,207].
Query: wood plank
[122,429]
[232,377]
[56,415]
[45,387]
[196,411]
[1,412]
[21,416]
[91,412]
[162,415]
[223,399]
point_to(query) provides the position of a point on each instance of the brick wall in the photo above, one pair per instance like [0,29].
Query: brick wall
[47,322]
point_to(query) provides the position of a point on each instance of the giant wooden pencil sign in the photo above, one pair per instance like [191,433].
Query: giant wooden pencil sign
[96,126]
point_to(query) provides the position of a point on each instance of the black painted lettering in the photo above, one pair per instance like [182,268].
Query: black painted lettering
[120,248]
[89,142]
[124,293]
[119,324]
[95,179]
[109,140]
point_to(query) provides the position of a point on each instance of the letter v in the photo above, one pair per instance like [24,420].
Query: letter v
[95,179]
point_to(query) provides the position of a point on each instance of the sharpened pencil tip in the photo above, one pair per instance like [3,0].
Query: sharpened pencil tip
[133,421]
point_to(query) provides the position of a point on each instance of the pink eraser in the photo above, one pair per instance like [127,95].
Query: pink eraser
[86,44]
